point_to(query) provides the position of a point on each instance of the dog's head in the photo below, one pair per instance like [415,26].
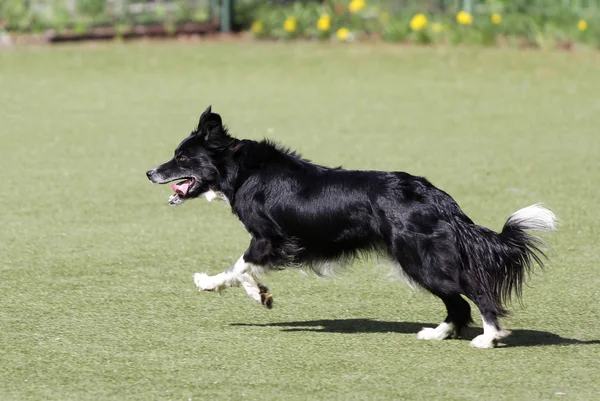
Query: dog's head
[196,160]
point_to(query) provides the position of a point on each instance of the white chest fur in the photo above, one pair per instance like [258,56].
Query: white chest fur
[212,195]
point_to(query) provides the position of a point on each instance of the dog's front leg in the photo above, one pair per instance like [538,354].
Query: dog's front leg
[241,272]
[257,291]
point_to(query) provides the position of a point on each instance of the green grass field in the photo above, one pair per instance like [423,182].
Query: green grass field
[96,292]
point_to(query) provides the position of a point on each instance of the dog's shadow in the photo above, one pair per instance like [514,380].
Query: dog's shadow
[518,338]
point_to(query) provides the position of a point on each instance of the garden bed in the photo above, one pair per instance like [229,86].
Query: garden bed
[138,31]
[542,24]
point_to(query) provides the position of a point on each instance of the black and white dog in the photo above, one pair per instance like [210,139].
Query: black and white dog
[302,214]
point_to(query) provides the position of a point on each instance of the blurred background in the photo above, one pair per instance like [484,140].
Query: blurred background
[530,23]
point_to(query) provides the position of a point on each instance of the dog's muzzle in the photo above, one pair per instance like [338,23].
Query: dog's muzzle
[175,199]
[157,177]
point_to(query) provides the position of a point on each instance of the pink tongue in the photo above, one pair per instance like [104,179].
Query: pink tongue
[181,189]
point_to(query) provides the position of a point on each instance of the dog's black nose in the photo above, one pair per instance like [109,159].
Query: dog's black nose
[149,173]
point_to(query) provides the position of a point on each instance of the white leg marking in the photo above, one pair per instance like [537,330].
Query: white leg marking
[490,336]
[251,287]
[234,276]
[443,331]
[217,283]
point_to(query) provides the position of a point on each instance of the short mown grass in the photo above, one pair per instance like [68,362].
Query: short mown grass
[96,296]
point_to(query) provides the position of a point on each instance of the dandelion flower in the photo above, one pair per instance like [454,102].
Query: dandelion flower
[418,22]
[356,6]
[343,34]
[464,18]
[257,27]
[324,23]
[582,25]
[496,18]
[290,24]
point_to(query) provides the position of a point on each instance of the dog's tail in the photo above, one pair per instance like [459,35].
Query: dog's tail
[500,262]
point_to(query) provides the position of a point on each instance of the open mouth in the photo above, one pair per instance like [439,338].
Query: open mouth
[181,189]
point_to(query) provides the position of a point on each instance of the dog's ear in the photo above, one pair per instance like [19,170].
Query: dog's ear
[210,123]
[212,132]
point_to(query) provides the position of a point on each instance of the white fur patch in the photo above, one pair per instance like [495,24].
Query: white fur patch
[240,273]
[489,338]
[535,217]
[400,273]
[212,195]
[251,287]
[443,331]
[325,269]
[397,273]
[206,283]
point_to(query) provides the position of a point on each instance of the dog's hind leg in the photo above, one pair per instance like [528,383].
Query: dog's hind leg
[459,316]
[492,331]
[435,270]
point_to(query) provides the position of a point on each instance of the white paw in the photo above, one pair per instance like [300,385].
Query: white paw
[483,341]
[428,333]
[203,282]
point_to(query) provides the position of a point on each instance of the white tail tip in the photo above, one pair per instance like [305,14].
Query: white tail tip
[535,217]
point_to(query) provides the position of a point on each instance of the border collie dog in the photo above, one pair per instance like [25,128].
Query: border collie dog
[302,214]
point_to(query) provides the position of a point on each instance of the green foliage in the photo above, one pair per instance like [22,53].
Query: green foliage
[543,23]
[16,15]
[395,29]
[90,7]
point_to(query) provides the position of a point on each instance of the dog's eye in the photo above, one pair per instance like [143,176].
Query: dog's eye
[181,158]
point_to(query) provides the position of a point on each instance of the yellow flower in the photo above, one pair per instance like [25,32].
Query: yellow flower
[418,22]
[324,23]
[496,18]
[582,25]
[257,27]
[384,16]
[464,18]
[356,6]
[290,24]
[437,27]
[342,33]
